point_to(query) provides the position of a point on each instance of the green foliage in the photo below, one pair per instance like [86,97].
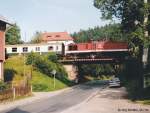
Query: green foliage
[128,11]
[15,67]
[13,35]
[3,86]
[31,58]
[96,70]
[52,57]
[111,32]
[40,62]
[44,66]
[46,63]
[37,38]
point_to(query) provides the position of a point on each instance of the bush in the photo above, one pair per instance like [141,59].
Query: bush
[39,87]
[3,86]
[31,58]
[52,57]
[46,64]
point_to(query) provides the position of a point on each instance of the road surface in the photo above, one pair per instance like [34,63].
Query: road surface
[60,102]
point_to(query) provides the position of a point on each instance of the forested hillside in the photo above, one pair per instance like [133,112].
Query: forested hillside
[111,31]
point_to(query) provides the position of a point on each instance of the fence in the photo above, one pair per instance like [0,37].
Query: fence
[13,93]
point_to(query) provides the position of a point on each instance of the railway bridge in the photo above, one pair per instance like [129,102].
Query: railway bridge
[74,58]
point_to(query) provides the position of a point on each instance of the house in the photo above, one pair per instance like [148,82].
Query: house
[57,37]
[51,42]
[3,25]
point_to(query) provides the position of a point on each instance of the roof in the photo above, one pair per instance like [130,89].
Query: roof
[3,19]
[39,44]
[56,36]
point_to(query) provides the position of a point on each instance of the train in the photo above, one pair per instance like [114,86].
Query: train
[72,50]
[95,49]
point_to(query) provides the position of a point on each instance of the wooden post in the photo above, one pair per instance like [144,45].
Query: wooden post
[14,93]
[31,88]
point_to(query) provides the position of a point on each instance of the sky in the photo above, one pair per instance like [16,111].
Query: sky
[51,15]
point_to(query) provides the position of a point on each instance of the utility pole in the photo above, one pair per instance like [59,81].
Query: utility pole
[145,49]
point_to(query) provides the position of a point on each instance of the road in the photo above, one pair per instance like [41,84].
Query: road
[60,102]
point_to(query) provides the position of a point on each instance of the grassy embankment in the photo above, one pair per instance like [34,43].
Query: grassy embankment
[15,69]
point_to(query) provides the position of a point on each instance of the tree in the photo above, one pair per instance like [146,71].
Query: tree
[134,21]
[37,37]
[13,35]
[110,31]
[128,11]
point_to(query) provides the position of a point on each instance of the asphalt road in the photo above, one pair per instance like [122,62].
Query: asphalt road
[60,102]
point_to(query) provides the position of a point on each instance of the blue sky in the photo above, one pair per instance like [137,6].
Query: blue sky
[51,15]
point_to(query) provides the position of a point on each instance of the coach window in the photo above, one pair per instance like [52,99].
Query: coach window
[56,47]
[25,49]
[50,48]
[14,49]
[37,49]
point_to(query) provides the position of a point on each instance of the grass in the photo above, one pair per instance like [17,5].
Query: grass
[146,102]
[15,69]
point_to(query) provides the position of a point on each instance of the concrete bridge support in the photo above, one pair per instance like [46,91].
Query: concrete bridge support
[72,71]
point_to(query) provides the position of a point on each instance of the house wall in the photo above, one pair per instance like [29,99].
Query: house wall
[2,47]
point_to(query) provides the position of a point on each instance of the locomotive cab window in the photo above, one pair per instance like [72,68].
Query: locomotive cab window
[72,47]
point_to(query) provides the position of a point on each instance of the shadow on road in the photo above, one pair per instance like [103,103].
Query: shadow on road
[17,110]
[92,85]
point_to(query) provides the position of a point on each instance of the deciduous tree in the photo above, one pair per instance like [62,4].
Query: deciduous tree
[13,35]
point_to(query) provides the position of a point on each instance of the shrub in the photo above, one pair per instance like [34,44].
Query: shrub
[44,66]
[3,85]
[31,58]
[52,57]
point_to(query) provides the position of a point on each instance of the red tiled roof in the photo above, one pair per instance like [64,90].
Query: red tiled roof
[56,36]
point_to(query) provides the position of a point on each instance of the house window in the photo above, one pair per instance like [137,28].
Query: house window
[50,48]
[14,49]
[25,49]
[37,49]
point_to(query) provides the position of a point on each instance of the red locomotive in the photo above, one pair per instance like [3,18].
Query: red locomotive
[96,49]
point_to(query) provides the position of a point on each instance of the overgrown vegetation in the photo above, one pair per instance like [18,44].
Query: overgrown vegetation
[95,71]
[16,71]
[3,86]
